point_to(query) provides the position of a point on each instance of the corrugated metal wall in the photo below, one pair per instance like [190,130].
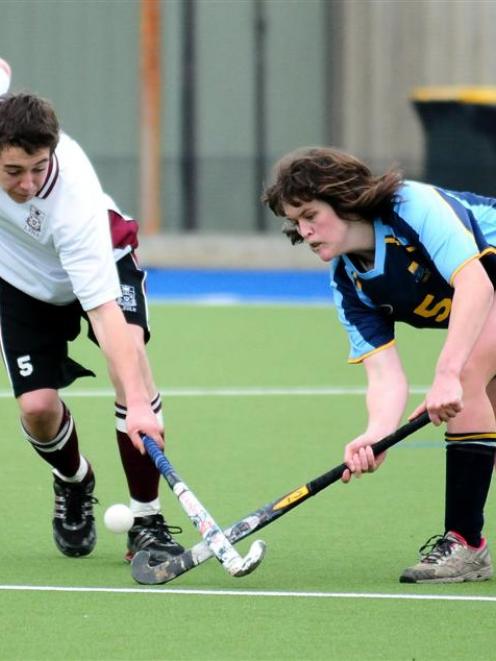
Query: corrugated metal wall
[389,47]
[84,56]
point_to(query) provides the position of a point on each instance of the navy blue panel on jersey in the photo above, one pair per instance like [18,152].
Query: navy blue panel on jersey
[419,250]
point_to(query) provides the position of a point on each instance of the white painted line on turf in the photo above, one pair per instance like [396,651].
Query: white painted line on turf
[253,593]
[234,391]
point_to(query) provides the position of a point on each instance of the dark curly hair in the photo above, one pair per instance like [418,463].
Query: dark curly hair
[330,175]
[27,121]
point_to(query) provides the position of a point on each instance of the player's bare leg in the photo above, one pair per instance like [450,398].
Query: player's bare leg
[461,553]
[50,428]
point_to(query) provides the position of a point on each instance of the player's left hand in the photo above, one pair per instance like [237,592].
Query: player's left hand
[443,401]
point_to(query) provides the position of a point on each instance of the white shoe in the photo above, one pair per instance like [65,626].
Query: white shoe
[449,559]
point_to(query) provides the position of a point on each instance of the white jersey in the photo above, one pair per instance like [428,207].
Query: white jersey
[57,246]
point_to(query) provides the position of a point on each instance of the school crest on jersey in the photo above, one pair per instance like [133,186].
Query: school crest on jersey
[127,301]
[34,222]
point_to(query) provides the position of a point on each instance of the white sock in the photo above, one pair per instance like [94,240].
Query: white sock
[144,509]
[78,476]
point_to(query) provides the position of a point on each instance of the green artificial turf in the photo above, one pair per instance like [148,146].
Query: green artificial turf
[317,593]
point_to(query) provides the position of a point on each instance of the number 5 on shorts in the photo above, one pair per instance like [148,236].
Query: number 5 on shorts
[24,365]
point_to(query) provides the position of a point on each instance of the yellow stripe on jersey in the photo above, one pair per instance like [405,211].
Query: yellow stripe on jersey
[413,267]
[357,361]
[397,242]
[490,250]
[467,261]
[356,280]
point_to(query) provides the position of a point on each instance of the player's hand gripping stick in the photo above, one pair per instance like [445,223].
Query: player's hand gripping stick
[166,571]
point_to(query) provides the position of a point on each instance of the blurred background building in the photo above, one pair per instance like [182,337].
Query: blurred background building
[242,82]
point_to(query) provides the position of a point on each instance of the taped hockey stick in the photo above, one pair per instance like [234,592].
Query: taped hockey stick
[213,536]
[166,571]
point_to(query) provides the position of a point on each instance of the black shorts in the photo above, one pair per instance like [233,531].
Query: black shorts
[34,335]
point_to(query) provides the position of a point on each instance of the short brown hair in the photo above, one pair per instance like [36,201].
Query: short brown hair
[330,175]
[27,121]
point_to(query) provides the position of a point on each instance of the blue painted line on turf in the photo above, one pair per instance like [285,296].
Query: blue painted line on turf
[233,286]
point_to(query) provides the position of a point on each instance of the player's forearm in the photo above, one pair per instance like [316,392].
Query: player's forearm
[387,393]
[386,402]
[117,344]
[472,301]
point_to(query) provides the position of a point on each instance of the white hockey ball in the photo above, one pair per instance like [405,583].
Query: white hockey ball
[118,518]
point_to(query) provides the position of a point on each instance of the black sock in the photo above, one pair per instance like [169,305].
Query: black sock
[62,452]
[469,468]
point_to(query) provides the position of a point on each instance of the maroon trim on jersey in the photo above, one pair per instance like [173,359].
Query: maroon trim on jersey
[124,231]
[51,178]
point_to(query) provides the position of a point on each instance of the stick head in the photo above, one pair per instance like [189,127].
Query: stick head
[147,574]
[250,562]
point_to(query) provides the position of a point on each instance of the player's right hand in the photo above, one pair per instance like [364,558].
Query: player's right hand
[140,419]
[359,457]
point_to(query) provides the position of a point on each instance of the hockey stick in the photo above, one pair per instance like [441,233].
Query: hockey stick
[166,571]
[214,538]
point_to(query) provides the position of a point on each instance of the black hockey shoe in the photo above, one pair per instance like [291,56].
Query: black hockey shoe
[152,534]
[73,521]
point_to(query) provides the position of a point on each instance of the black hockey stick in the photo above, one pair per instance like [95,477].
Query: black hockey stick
[166,571]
